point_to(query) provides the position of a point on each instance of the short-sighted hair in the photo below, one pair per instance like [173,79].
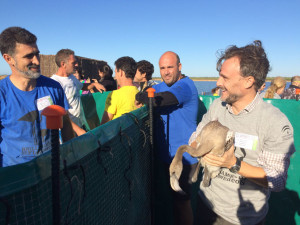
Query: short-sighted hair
[145,67]
[295,78]
[253,61]
[13,35]
[128,65]
[63,56]
[105,69]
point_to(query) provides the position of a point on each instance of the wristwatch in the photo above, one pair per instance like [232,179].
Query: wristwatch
[236,167]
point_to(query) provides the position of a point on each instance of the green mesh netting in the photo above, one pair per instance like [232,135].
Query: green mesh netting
[106,176]
[104,179]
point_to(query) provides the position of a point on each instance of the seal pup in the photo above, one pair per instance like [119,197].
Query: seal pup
[214,138]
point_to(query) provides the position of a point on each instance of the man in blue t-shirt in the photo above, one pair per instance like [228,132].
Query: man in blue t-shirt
[176,102]
[23,96]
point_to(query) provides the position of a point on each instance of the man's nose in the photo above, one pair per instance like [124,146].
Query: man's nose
[36,60]
[219,82]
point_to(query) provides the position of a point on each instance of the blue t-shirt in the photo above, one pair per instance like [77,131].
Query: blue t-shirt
[23,133]
[177,122]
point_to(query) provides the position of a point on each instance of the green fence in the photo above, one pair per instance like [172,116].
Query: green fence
[106,175]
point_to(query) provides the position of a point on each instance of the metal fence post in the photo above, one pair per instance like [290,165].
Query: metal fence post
[151,96]
[54,122]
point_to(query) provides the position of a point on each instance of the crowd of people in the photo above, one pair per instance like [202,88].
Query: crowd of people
[256,165]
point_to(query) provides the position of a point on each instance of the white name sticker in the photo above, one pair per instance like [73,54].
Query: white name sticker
[43,102]
[245,141]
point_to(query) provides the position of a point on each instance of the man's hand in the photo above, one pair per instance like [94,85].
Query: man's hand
[90,86]
[99,87]
[227,160]
[80,131]
[142,97]
[138,104]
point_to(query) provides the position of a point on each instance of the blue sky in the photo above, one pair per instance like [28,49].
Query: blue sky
[195,30]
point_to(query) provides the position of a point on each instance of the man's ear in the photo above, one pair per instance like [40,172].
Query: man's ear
[9,59]
[179,66]
[143,75]
[122,73]
[62,64]
[249,82]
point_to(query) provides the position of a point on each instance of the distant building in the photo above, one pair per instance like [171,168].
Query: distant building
[88,66]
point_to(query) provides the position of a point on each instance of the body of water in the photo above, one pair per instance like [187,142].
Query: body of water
[204,87]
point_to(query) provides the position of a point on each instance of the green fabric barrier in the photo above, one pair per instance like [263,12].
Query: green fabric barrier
[92,108]
[104,178]
[110,175]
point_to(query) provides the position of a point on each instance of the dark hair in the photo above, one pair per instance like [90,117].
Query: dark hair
[215,89]
[12,35]
[79,70]
[128,65]
[106,70]
[253,61]
[145,67]
[295,78]
[63,56]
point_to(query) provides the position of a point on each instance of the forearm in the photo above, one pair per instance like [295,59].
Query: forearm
[67,130]
[78,130]
[160,99]
[106,117]
[255,174]
[228,160]
[90,86]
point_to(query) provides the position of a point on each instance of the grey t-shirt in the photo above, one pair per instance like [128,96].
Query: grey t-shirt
[233,197]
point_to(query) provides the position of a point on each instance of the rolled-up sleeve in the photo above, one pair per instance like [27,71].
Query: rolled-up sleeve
[275,167]
[276,152]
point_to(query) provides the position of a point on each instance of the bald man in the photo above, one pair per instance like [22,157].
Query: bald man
[176,106]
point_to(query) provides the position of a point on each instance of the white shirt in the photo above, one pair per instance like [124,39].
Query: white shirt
[71,87]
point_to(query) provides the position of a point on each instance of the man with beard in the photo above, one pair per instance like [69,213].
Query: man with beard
[176,107]
[258,162]
[23,96]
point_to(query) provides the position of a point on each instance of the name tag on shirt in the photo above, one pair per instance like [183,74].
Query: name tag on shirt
[43,102]
[246,141]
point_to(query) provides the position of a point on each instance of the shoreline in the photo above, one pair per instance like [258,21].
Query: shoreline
[194,78]
[268,79]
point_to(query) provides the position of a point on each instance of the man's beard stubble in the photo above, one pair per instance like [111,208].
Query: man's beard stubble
[231,99]
[29,73]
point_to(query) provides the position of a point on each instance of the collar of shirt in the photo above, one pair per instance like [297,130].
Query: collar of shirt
[248,108]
